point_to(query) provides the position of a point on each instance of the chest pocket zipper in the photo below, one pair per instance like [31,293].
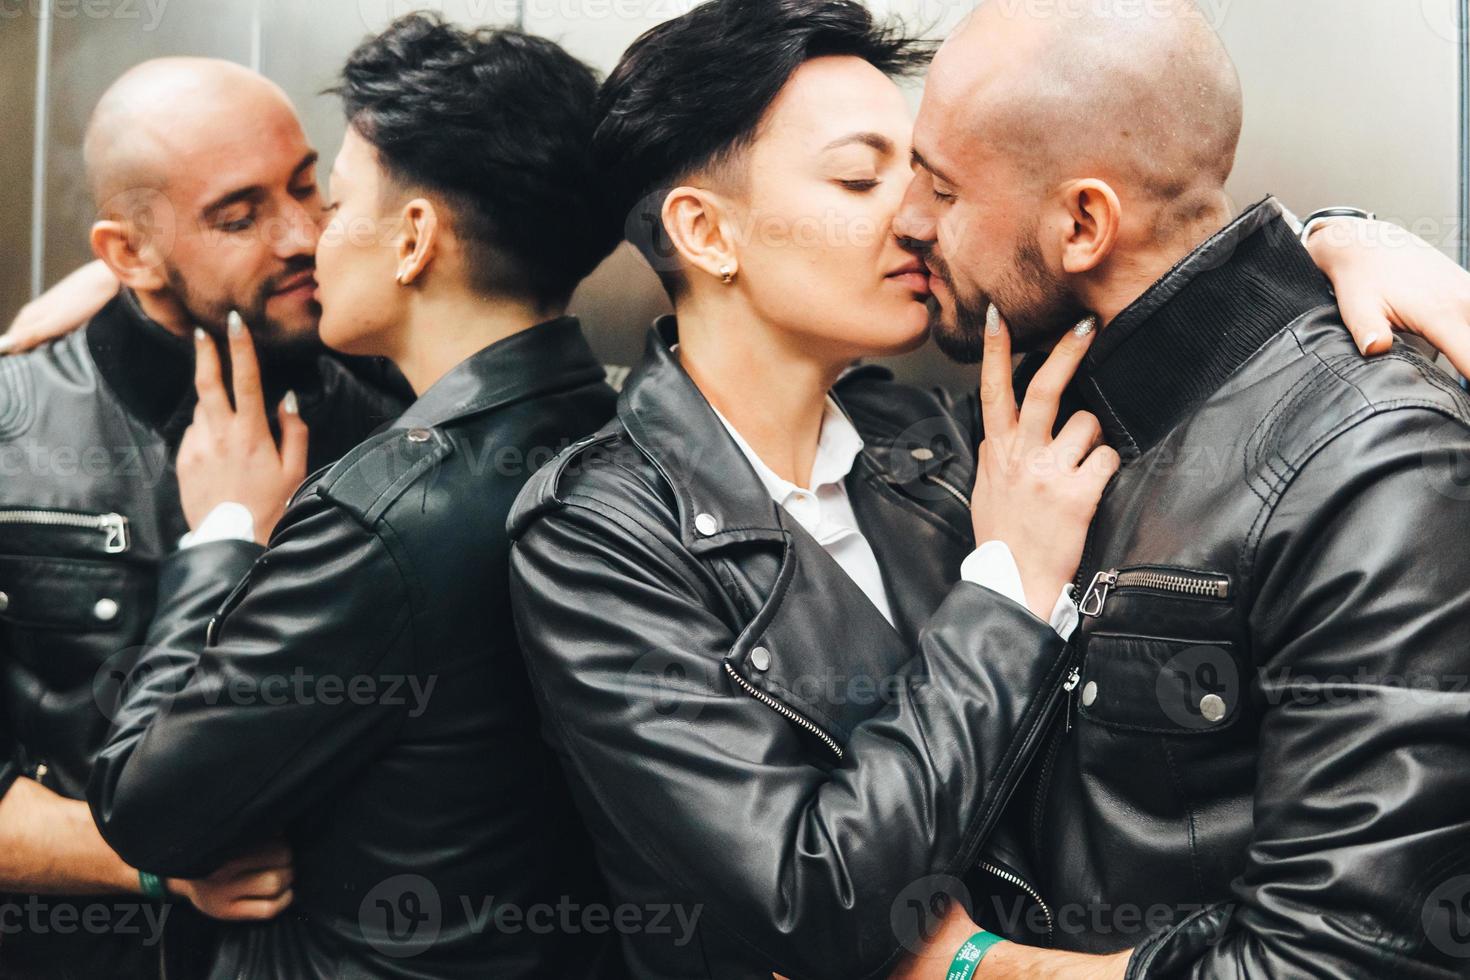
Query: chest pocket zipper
[1184,583]
[114,526]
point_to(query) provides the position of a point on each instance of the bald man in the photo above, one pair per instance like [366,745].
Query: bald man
[207,202]
[1259,765]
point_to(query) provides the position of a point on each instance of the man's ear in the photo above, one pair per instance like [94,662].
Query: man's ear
[418,239]
[701,231]
[1093,217]
[131,255]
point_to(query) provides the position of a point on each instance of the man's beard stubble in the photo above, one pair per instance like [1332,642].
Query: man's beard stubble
[273,340]
[1037,306]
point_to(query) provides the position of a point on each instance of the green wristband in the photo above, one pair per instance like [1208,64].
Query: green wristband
[152,885]
[970,954]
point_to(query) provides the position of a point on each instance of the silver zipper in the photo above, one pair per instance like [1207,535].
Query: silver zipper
[954,491]
[1021,883]
[1179,583]
[115,526]
[1073,679]
[782,710]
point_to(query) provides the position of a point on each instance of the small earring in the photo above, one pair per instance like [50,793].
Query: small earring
[399,279]
[727,275]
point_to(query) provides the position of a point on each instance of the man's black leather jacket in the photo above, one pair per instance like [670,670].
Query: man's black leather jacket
[749,739]
[89,506]
[361,692]
[1266,771]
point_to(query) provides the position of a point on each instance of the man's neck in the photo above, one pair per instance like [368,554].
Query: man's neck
[441,332]
[165,311]
[1135,267]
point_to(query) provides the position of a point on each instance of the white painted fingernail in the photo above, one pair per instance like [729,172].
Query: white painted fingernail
[199,334]
[992,321]
[1368,344]
[6,342]
[289,403]
[237,325]
[1085,326]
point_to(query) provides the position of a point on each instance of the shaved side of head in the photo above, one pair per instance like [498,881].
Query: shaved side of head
[148,120]
[1143,95]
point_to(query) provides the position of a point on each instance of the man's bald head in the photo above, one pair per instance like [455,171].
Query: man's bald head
[207,200]
[1143,95]
[156,119]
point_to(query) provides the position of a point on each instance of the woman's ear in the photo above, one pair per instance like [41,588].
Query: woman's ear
[700,229]
[1092,218]
[418,239]
[131,255]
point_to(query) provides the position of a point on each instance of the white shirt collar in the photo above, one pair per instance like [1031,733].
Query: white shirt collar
[838,445]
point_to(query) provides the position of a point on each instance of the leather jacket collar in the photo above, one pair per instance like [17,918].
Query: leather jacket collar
[151,371]
[672,423]
[536,361]
[1178,342]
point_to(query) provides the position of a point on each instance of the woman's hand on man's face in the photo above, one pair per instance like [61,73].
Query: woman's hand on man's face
[1037,493]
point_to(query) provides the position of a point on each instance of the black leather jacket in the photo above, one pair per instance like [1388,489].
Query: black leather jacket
[88,508]
[750,741]
[361,691]
[1267,772]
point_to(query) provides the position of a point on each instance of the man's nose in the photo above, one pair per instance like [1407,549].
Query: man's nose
[914,222]
[300,232]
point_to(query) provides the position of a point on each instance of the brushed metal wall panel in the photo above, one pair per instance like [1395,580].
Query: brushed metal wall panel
[304,45]
[89,52]
[19,32]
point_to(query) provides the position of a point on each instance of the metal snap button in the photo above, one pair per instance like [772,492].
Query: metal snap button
[418,435]
[1089,693]
[105,610]
[4,602]
[41,770]
[706,524]
[1212,707]
[922,453]
[760,658]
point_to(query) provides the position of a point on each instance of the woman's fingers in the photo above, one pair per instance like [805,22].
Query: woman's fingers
[245,373]
[1044,394]
[214,402]
[997,390]
[1080,436]
[293,436]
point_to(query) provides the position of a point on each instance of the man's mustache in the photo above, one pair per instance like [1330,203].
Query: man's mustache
[924,252]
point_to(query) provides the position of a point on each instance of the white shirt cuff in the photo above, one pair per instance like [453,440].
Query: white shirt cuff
[994,567]
[228,521]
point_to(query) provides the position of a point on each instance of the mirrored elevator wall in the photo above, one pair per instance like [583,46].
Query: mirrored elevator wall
[1347,102]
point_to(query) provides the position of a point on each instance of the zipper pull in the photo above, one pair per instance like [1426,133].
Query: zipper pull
[1070,686]
[1097,593]
[116,527]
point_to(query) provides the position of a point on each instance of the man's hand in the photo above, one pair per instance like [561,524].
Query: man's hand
[1387,279]
[1035,493]
[254,886]
[228,454]
[61,309]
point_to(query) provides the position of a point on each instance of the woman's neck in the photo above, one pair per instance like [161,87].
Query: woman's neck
[442,331]
[772,393]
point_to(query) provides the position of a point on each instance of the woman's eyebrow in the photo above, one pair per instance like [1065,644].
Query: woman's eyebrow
[877,141]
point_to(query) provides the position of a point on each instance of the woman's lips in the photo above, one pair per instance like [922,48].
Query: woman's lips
[305,286]
[916,282]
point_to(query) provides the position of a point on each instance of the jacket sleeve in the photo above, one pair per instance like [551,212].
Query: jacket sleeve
[720,798]
[219,745]
[1360,862]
